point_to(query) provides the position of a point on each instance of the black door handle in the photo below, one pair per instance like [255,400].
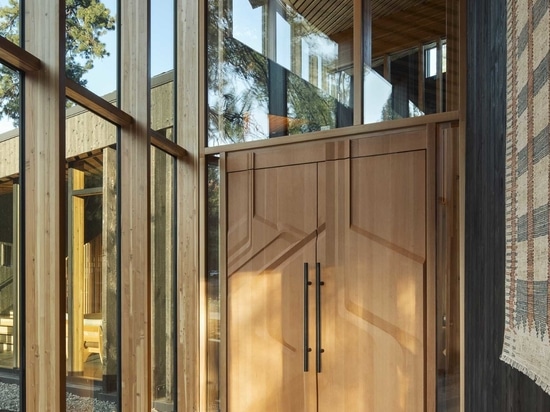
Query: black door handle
[318,284]
[307,349]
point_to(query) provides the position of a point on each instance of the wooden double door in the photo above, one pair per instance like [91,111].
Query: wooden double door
[330,276]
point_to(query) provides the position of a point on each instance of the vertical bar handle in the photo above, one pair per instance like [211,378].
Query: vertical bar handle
[307,349]
[318,284]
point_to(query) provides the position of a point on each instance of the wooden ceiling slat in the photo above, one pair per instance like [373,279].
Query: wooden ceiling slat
[330,17]
[334,19]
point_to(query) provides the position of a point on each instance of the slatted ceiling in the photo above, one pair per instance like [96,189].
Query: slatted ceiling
[326,16]
[90,162]
[330,17]
[391,31]
[382,8]
[395,32]
[337,23]
[6,183]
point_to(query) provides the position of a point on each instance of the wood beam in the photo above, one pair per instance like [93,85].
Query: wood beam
[96,104]
[135,328]
[166,145]
[17,57]
[45,204]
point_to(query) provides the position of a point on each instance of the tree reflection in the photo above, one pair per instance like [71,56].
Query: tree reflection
[247,87]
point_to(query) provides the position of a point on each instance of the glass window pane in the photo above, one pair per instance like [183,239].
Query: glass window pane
[91,328]
[407,74]
[163,288]
[10,22]
[10,256]
[278,68]
[213,285]
[162,66]
[91,45]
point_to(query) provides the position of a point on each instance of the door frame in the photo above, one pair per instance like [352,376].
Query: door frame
[438,125]
[249,154]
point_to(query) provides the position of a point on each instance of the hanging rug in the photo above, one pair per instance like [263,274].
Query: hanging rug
[527,330]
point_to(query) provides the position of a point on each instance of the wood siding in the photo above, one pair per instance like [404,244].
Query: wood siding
[491,385]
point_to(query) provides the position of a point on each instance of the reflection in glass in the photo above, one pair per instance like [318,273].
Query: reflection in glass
[10,258]
[406,75]
[91,320]
[162,66]
[9,79]
[163,317]
[10,22]
[91,45]
[277,68]
[213,284]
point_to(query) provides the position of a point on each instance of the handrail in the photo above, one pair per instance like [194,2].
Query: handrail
[5,283]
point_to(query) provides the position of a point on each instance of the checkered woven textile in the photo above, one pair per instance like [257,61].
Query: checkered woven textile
[527,334]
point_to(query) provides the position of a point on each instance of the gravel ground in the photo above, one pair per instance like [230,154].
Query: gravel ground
[9,401]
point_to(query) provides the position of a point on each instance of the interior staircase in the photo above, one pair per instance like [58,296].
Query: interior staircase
[6,332]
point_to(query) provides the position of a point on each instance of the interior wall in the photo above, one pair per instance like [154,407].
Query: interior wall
[490,384]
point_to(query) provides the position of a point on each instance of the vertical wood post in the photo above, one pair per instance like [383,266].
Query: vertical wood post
[190,81]
[135,356]
[45,205]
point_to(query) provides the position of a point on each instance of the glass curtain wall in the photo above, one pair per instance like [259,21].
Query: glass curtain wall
[10,26]
[162,68]
[91,45]
[277,68]
[213,284]
[405,64]
[163,288]
[284,67]
[92,330]
[11,351]
[163,214]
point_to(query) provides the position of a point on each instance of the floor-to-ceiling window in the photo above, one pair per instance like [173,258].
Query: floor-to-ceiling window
[163,270]
[11,275]
[100,259]
[92,252]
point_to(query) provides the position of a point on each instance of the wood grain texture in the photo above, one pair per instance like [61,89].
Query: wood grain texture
[190,97]
[17,57]
[135,328]
[271,233]
[490,384]
[371,225]
[45,204]
[96,104]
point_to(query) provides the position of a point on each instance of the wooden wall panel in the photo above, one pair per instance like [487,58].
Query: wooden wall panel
[490,384]
[45,204]
[135,356]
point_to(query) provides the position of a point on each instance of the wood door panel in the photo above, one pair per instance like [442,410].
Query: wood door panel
[365,220]
[388,201]
[270,211]
[271,233]
[373,299]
